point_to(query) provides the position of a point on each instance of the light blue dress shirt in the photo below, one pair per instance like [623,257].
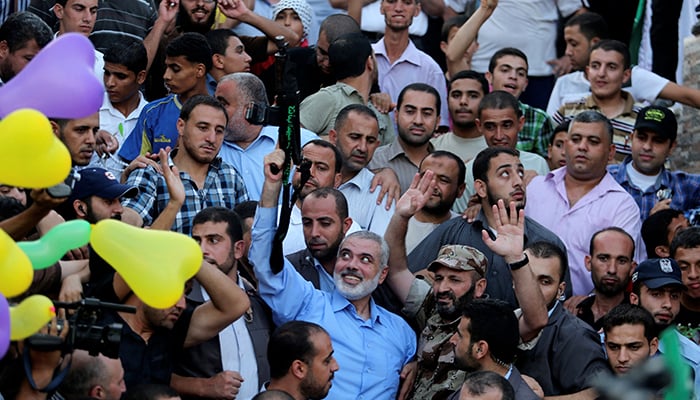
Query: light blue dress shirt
[370,353]
[249,161]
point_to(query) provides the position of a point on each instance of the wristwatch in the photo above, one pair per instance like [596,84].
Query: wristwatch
[517,265]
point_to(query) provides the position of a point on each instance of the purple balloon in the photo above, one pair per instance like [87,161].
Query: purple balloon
[60,81]
[4,325]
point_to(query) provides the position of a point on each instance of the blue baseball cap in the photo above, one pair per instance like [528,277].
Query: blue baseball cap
[102,183]
[658,272]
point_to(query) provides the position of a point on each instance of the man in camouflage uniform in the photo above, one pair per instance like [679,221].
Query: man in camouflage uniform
[459,276]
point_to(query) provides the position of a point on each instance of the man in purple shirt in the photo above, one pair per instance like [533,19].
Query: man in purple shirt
[581,199]
[400,63]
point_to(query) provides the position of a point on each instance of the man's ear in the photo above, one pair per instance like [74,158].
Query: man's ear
[612,153]
[653,346]
[489,77]
[4,49]
[55,128]
[201,70]
[58,11]
[332,136]
[217,61]
[662,251]
[80,208]
[481,350]
[347,223]
[634,299]
[298,369]
[383,273]
[480,188]
[460,189]
[180,126]
[480,288]
[443,46]
[141,77]
[238,249]
[587,262]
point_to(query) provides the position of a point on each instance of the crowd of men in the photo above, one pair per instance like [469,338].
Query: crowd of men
[469,219]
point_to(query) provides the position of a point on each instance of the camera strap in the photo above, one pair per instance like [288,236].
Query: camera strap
[58,375]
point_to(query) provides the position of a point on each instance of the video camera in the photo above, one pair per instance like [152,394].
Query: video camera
[86,330]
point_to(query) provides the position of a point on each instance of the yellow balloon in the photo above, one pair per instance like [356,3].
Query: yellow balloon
[16,270]
[155,264]
[29,316]
[30,154]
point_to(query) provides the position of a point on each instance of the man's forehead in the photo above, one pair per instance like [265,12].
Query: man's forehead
[504,160]
[511,61]
[361,245]
[588,129]
[498,114]
[606,55]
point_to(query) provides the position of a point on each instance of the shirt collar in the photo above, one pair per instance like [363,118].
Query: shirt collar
[340,303]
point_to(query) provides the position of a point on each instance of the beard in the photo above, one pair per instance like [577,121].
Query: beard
[454,310]
[359,291]
[610,289]
[184,21]
[467,362]
[493,200]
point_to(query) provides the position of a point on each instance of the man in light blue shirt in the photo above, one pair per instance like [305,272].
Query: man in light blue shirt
[371,344]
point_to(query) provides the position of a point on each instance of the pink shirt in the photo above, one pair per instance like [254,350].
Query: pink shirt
[606,205]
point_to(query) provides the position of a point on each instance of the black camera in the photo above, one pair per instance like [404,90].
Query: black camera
[257,114]
[87,332]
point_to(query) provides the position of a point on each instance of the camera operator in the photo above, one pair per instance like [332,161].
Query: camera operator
[34,376]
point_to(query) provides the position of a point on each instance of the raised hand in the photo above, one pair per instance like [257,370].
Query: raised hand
[417,194]
[510,231]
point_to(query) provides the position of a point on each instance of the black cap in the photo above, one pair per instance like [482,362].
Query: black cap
[659,120]
[658,272]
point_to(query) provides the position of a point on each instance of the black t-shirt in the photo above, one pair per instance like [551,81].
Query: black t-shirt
[150,362]
[688,322]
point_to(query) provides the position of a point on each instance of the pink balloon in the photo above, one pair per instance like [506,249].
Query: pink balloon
[4,325]
[60,81]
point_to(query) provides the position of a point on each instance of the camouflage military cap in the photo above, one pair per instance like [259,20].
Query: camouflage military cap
[460,257]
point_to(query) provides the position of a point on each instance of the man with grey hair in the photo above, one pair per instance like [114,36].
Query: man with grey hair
[246,143]
[369,341]
[581,199]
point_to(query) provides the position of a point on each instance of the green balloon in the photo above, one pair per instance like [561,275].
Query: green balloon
[44,252]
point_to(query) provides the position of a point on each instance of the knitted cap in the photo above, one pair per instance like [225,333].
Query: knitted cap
[301,7]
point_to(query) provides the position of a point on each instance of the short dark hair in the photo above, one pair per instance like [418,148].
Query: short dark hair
[655,229]
[290,342]
[688,238]
[348,55]
[150,391]
[563,127]
[341,203]
[614,45]
[356,108]
[454,22]
[337,25]
[246,209]
[218,40]
[591,244]
[590,24]
[499,100]
[479,382]
[221,214]
[22,27]
[193,46]
[544,250]
[493,321]
[200,99]
[273,395]
[420,87]
[482,161]
[337,156]
[473,75]
[506,51]
[632,314]
[128,52]
[593,117]
[461,168]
